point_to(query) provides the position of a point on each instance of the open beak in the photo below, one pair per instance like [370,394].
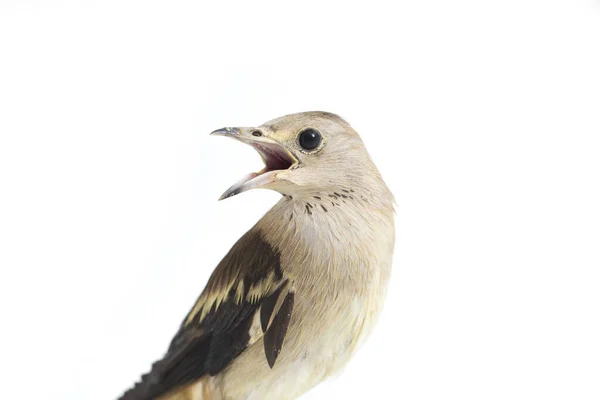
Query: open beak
[276,158]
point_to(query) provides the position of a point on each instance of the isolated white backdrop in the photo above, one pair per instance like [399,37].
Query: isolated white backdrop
[484,118]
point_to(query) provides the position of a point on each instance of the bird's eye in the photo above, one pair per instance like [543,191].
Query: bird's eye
[309,139]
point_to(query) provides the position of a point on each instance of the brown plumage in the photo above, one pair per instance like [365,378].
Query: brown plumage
[296,295]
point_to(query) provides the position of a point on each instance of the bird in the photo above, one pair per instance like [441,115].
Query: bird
[298,294]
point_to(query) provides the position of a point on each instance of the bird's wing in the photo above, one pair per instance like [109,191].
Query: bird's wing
[247,297]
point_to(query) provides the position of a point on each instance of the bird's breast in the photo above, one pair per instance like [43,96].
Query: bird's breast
[340,263]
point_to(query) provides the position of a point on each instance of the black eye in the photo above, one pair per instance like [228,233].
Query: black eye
[309,139]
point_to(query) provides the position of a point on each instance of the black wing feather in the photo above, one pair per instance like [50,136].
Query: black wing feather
[206,344]
[267,307]
[274,336]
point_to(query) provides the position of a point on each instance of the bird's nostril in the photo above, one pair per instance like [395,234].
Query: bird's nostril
[257,133]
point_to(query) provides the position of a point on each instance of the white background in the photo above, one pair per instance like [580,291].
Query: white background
[483,117]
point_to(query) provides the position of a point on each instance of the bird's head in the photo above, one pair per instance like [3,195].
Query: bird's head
[306,154]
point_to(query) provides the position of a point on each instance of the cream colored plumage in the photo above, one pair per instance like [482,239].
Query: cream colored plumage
[297,295]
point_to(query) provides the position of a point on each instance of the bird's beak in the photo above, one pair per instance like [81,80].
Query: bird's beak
[275,156]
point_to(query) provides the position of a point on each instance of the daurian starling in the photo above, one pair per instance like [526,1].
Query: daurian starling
[295,297]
